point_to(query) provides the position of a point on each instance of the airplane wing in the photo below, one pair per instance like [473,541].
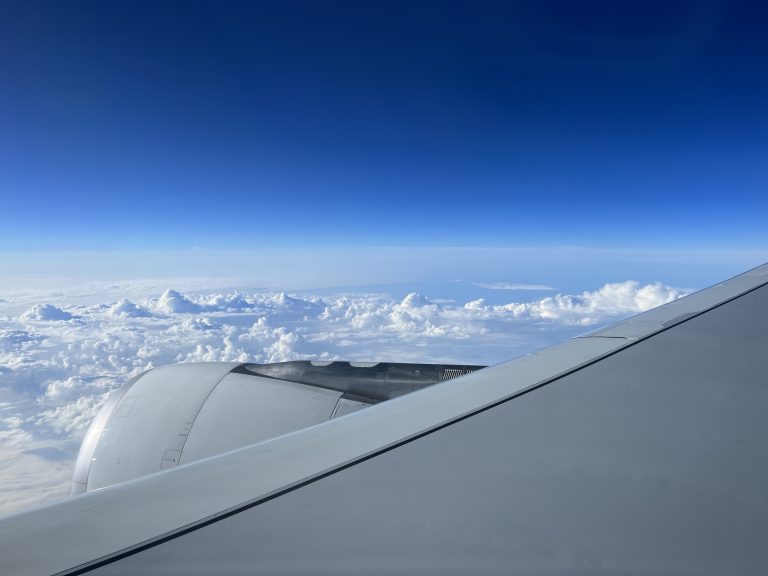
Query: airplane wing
[636,449]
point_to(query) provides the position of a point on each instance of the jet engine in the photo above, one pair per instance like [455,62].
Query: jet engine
[177,414]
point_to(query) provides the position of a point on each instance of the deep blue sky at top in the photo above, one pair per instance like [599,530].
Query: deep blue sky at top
[237,124]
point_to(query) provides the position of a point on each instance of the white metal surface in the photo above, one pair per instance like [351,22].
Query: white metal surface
[92,437]
[346,406]
[244,410]
[151,421]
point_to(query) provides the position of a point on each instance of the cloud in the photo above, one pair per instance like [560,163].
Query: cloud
[16,338]
[72,418]
[414,300]
[228,302]
[195,323]
[171,302]
[53,379]
[46,313]
[512,286]
[124,308]
[588,308]
[29,479]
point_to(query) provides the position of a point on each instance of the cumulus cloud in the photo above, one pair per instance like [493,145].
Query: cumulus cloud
[56,373]
[124,308]
[46,313]
[15,338]
[588,308]
[228,302]
[195,323]
[171,302]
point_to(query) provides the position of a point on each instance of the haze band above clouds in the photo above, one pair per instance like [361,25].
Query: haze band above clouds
[512,286]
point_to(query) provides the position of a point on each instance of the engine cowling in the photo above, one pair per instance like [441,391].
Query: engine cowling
[177,414]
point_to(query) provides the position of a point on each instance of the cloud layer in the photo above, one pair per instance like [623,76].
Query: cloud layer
[60,358]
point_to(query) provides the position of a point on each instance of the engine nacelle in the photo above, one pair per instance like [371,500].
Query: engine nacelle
[185,412]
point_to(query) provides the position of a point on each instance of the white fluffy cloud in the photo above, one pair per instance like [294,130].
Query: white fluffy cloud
[46,313]
[171,302]
[589,307]
[15,338]
[60,358]
[124,308]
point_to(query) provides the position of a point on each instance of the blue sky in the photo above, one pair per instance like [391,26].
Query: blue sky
[266,125]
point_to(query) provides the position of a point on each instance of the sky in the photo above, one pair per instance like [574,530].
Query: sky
[149,126]
[374,181]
